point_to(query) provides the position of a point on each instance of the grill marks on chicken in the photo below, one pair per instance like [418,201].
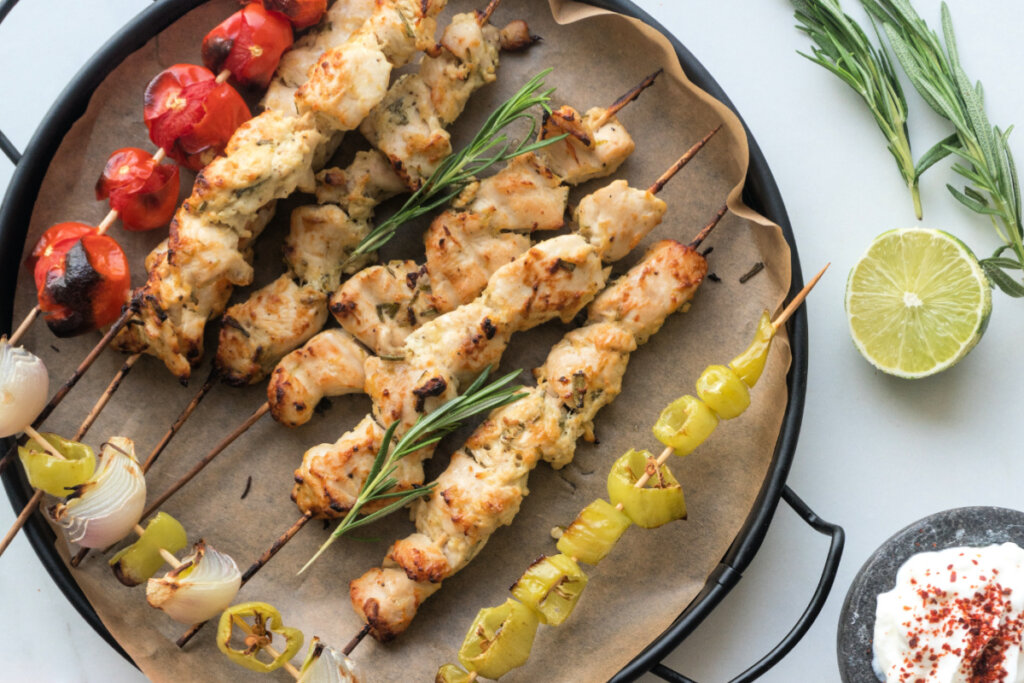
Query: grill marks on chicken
[486,480]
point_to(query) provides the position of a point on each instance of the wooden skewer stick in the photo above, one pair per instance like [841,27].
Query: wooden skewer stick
[253,568]
[207,459]
[25,324]
[356,639]
[189,409]
[798,299]
[682,161]
[107,394]
[634,93]
[485,16]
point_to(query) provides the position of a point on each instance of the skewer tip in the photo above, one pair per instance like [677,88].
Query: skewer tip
[706,230]
[682,161]
[798,299]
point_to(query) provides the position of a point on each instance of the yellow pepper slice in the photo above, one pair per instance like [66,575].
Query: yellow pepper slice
[449,673]
[551,587]
[266,623]
[57,477]
[723,391]
[659,502]
[685,424]
[594,532]
[750,364]
[142,559]
[499,640]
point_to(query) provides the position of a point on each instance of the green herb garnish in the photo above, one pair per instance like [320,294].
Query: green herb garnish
[985,159]
[842,47]
[428,430]
[490,146]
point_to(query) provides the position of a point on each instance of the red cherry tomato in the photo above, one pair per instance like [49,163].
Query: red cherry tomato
[190,115]
[82,283]
[54,235]
[249,43]
[302,13]
[143,192]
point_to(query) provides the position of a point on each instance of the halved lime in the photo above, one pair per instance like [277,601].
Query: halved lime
[917,302]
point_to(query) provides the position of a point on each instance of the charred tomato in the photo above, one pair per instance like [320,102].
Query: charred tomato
[190,115]
[249,43]
[54,235]
[301,13]
[82,283]
[143,192]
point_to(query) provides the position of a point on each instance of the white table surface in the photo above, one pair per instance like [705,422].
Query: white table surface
[875,453]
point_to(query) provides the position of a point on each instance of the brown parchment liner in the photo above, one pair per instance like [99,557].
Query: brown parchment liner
[650,577]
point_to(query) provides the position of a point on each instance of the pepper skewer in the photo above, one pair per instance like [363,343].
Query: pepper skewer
[656,187]
[288,666]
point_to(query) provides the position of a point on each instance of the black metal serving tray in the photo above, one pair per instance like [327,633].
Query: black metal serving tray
[760,193]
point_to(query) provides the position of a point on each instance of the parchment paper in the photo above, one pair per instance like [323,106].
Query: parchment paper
[650,577]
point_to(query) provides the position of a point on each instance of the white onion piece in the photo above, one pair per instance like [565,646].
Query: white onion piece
[327,665]
[105,508]
[24,387]
[200,589]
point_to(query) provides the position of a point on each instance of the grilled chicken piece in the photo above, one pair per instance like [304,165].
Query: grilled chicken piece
[381,305]
[523,197]
[358,189]
[484,484]
[257,332]
[616,217]
[319,244]
[329,364]
[390,600]
[591,150]
[468,60]
[349,80]
[340,21]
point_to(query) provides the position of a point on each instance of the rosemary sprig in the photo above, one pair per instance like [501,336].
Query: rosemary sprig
[985,159]
[842,47]
[427,430]
[491,145]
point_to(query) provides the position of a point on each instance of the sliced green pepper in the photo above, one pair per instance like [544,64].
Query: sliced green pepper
[723,391]
[659,502]
[685,424]
[499,639]
[266,622]
[53,475]
[551,587]
[142,559]
[594,533]
[750,364]
[449,673]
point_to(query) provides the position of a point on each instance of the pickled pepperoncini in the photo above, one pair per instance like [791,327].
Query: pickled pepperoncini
[142,559]
[659,502]
[266,624]
[750,364]
[499,640]
[594,532]
[51,474]
[551,587]
[685,424]
[449,673]
[723,391]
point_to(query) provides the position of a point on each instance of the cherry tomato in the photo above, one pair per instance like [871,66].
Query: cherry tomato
[55,234]
[190,115]
[82,283]
[302,13]
[249,43]
[143,192]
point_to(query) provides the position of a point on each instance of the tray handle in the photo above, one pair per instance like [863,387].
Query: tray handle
[828,576]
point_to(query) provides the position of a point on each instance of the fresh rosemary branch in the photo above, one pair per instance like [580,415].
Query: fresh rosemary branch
[490,146]
[842,47]
[985,159]
[427,430]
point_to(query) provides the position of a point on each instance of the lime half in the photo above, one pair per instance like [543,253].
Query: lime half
[917,302]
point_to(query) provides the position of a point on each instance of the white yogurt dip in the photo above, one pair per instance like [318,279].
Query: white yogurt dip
[955,616]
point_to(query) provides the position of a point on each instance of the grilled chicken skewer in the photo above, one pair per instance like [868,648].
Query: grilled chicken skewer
[268,158]
[485,482]
[557,277]
[331,363]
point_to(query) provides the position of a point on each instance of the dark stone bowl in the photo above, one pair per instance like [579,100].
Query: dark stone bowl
[971,526]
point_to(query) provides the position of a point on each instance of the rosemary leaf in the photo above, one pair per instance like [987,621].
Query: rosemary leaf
[428,429]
